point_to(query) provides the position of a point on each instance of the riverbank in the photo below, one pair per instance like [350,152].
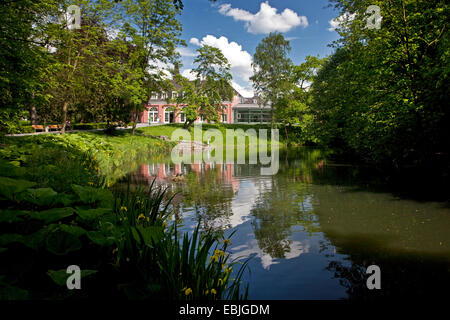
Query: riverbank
[57,211]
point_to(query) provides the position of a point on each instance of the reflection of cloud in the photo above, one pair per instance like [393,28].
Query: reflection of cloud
[296,249]
[244,200]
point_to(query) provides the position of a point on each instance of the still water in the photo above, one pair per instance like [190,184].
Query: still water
[312,229]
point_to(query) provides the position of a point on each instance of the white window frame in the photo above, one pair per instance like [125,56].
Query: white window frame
[155,96]
[182,117]
[167,114]
[224,118]
[153,115]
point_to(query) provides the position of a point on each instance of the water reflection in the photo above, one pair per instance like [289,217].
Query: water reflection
[313,228]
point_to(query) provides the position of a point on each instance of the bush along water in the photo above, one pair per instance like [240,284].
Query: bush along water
[121,241]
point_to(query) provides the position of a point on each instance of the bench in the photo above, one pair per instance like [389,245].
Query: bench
[37,127]
[52,127]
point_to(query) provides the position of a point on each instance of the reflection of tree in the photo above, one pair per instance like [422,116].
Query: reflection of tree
[209,195]
[288,202]
[406,239]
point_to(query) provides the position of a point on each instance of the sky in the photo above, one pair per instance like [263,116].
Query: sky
[237,26]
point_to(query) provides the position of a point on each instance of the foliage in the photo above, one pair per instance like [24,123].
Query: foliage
[271,68]
[293,107]
[203,97]
[383,94]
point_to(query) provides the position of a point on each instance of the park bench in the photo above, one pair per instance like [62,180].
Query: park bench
[37,127]
[52,127]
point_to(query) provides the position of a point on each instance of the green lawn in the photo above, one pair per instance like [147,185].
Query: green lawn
[169,131]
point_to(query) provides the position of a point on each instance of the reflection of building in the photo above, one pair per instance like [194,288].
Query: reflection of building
[239,110]
[162,171]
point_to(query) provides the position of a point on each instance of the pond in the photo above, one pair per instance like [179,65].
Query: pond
[312,229]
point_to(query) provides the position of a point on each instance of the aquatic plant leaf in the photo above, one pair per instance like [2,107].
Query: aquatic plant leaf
[10,238]
[89,195]
[11,216]
[52,215]
[35,240]
[64,200]
[61,242]
[149,235]
[10,188]
[60,276]
[75,230]
[40,196]
[92,214]
[9,170]
[8,292]
[100,238]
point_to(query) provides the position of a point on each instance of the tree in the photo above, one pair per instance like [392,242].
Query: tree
[23,59]
[383,94]
[204,96]
[293,107]
[272,68]
[155,33]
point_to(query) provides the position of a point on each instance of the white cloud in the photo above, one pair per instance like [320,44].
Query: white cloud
[194,41]
[188,74]
[240,60]
[245,92]
[341,21]
[266,20]
[185,52]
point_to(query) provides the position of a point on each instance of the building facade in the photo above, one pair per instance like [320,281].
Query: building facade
[239,110]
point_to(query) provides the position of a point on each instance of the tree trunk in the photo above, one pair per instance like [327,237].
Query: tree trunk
[271,113]
[286,131]
[64,117]
[135,115]
[33,114]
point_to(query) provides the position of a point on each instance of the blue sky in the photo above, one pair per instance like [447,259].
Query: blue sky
[237,26]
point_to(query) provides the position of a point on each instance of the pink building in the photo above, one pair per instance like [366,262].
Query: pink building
[239,110]
[159,111]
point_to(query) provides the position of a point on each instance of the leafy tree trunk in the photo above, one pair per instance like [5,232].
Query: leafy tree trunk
[272,115]
[135,117]
[188,124]
[33,114]
[64,117]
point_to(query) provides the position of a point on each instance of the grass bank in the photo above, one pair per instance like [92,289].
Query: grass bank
[56,212]
[169,129]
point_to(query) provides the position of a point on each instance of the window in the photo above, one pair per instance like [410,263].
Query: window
[241,100]
[174,94]
[164,96]
[239,115]
[168,115]
[224,118]
[153,115]
[255,101]
[155,96]
[182,117]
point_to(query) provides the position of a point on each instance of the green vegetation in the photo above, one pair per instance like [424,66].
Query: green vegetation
[381,97]
[56,215]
